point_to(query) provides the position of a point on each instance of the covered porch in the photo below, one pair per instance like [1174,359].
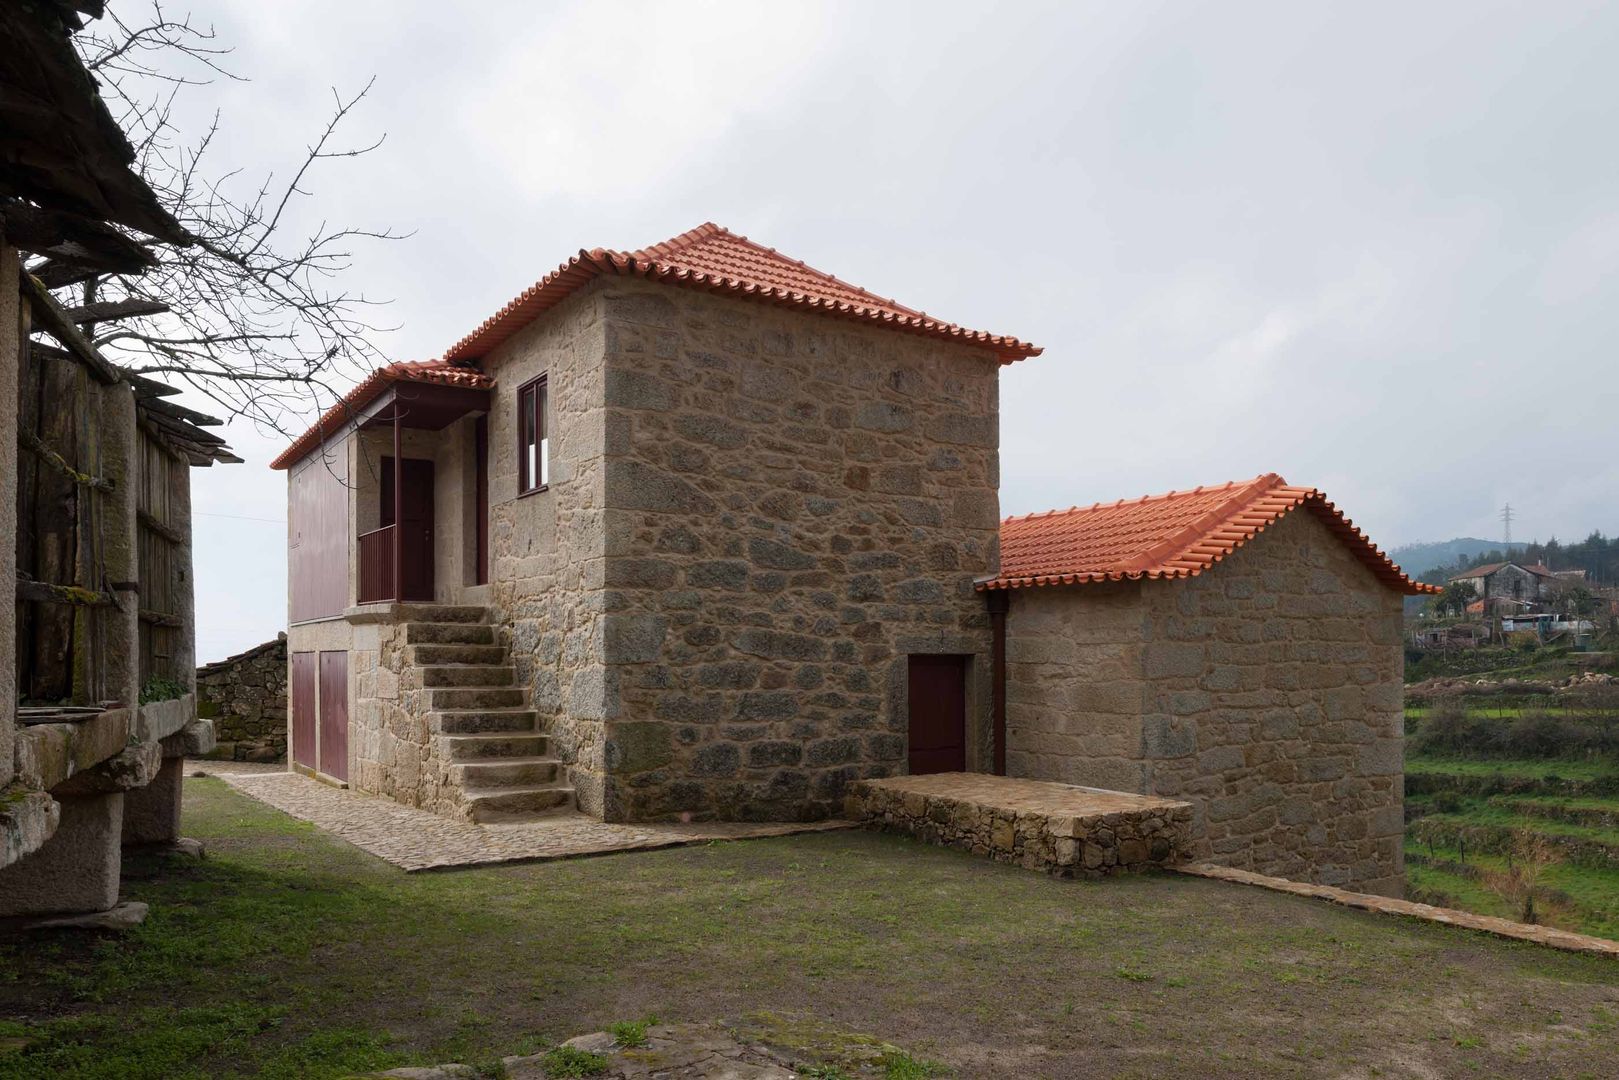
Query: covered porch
[422,493]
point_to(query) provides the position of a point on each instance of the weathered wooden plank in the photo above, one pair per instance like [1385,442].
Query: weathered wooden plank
[50,317]
[112,310]
[70,595]
[30,442]
[166,531]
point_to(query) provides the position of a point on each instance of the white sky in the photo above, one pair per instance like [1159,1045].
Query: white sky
[1371,247]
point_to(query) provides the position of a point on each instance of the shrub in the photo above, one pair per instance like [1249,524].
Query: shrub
[1538,734]
[1448,730]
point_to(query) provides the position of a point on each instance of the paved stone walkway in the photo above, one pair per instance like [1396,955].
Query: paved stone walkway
[417,840]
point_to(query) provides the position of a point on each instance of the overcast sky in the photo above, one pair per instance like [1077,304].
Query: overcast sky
[1371,247]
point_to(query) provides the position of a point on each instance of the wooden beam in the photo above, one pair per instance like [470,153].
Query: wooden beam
[54,321]
[32,443]
[46,593]
[59,272]
[83,240]
[162,528]
[150,388]
[178,412]
[110,310]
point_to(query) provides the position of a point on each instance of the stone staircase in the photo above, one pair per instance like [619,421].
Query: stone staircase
[479,716]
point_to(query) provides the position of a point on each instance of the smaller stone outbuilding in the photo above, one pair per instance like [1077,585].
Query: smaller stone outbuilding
[1238,647]
[246,697]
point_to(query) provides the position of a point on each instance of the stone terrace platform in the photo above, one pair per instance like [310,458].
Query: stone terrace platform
[1060,828]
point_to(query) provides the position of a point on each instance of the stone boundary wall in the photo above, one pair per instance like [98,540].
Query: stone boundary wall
[1100,833]
[1385,905]
[246,697]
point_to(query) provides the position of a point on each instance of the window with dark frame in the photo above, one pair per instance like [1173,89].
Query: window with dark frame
[533,471]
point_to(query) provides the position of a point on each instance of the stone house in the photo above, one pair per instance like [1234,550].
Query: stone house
[96,649]
[1522,584]
[699,531]
[681,531]
[1238,647]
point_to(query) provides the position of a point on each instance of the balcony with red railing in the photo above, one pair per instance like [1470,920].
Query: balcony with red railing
[377,565]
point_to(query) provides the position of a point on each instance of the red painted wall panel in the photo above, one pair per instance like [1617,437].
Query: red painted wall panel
[334,714]
[304,697]
[318,530]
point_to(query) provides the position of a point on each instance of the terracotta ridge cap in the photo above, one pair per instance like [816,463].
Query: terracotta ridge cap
[1201,526]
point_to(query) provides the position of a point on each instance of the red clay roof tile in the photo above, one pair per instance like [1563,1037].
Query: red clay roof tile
[438,372]
[714,259]
[1176,535]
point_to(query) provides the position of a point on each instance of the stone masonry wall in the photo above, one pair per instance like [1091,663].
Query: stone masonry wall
[246,697]
[546,566]
[794,505]
[393,751]
[1269,695]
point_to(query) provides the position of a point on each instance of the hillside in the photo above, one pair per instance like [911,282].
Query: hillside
[1418,559]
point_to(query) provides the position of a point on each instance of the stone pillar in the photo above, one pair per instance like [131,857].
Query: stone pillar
[77,869]
[152,813]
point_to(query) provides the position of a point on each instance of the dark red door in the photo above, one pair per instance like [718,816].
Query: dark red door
[480,450]
[304,696]
[416,543]
[334,714]
[938,708]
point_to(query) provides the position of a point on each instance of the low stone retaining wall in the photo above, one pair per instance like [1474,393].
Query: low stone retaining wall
[1059,828]
[246,697]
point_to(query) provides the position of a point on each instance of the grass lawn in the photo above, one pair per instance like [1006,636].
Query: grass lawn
[290,954]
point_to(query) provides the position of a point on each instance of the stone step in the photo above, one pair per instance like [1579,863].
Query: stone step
[482,721]
[441,613]
[449,633]
[492,773]
[463,748]
[475,697]
[423,655]
[434,675]
[494,804]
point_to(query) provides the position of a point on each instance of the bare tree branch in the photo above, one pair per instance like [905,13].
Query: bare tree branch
[259,318]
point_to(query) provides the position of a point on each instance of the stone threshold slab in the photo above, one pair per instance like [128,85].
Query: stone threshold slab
[415,840]
[1489,924]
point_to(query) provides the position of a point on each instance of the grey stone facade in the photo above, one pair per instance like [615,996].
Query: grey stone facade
[1267,691]
[754,516]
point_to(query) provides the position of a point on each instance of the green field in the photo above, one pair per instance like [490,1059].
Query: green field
[1495,709]
[1469,812]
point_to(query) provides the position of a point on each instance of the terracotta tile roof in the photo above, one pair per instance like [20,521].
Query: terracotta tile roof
[1177,535]
[438,372]
[716,260]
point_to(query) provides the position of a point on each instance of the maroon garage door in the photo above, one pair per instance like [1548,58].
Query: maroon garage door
[334,714]
[938,708]
[304,697]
